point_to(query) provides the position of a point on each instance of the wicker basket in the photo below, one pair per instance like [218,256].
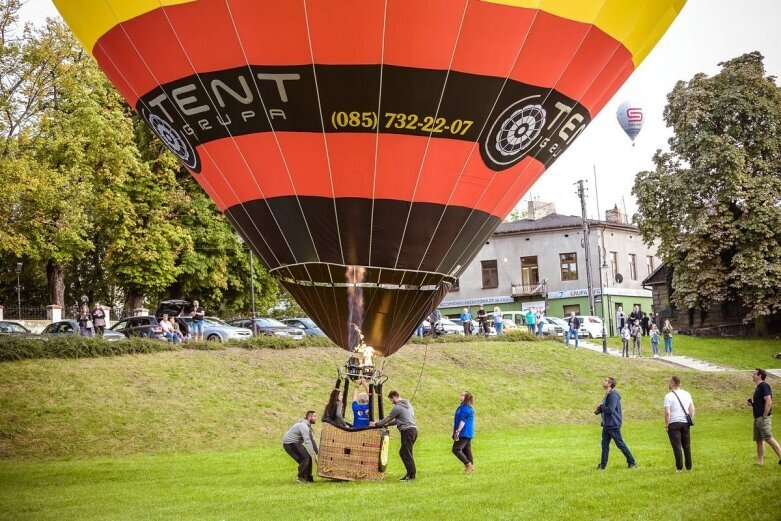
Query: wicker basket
[352,455]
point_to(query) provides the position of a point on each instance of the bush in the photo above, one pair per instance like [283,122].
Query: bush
[276,342]
[518,335]
[76,347]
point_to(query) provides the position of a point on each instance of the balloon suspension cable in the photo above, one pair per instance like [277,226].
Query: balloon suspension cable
[422,367]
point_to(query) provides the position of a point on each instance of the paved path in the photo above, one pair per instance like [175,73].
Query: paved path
[681,361]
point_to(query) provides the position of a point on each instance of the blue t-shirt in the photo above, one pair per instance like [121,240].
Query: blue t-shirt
[360,415]
[465,414]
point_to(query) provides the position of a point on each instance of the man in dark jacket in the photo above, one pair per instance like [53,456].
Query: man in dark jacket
[610,409]
[403,416]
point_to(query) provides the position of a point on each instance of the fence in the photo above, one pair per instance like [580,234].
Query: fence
[24,313]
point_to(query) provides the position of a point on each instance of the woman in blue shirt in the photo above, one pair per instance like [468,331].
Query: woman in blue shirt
[464,431]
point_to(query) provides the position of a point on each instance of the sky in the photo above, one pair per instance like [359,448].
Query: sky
[705,33]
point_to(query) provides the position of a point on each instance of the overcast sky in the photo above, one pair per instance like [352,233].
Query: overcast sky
[705,33]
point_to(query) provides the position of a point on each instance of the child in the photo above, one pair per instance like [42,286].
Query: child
[625,341]
[655,340]
[637,335]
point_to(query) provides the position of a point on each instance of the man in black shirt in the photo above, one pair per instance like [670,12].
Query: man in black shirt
[197,314]
[762,403]
[482,320]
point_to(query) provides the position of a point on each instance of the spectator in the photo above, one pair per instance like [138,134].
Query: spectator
[625,341]
[620,318]
[612,419]
[678,408]
[85,322]
[637,337]
[636,314]
[466,321]
[498,320]
[531,320]
[197,314]
[168,329]
[645,322]
[574,330]
[99,319]
[655,340]
[762,403]
[482,320]
[176,329]
[540,322]
[667,333]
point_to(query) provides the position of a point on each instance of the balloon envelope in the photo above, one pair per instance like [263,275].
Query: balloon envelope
[630,117]
[367,148]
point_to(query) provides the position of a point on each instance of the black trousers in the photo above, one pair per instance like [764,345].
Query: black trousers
[680,439]
[302,457]
[408,437]
[462,448]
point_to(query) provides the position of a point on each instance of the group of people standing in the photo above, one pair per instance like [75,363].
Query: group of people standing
[299,440]
[92,322]
[638,324]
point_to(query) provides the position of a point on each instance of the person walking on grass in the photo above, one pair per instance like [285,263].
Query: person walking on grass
[610,409]
[299,443]
[667,333]
[762,405]
[678,409]
[403,415]
[464,431]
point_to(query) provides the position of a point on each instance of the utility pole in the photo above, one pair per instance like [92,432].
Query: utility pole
[586,248]
[252,291]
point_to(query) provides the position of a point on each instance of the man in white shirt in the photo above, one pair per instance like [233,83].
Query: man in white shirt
[677,405]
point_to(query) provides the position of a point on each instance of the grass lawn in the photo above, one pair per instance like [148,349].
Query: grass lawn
[196,435]
[532,473]
[737,353]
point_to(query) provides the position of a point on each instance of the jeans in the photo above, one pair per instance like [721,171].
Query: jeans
[614,433]
[668,346]
[625,347]
[408,437]
[680,440]
[655,347]
[568,334]
[539,329]
[498,326]
[302,457]
[462,448]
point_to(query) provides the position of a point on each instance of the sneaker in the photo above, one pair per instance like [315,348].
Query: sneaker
[407,478]
[469,468]
[302,480]
[632,465]
[600,467]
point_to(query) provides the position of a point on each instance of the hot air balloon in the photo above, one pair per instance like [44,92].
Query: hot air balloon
[630,117]
[366,149]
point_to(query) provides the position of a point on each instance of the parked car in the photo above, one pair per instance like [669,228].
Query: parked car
[306,324]
[15,329]
[508,324]
[552,326]
[147,326]
[593,326]
[445,326]
[71,328]
[216,330]
[268,327]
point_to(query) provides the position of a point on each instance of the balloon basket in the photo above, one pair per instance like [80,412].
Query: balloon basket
[348,455]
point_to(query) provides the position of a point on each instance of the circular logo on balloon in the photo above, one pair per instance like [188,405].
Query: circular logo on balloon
[174,140]
[514,132]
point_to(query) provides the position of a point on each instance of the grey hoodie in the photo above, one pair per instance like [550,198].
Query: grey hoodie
[404,415]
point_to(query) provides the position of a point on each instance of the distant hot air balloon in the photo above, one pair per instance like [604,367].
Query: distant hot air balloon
[367,148]
[630,117]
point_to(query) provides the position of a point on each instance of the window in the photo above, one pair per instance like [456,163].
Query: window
[649,263]
[490,274]
[633,266]
[456,285]
[569,309]
[614,262]
[569,266]
[529,272]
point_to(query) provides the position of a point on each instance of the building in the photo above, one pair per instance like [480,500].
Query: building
[539,263]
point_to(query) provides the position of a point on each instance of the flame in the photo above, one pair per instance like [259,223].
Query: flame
[355,276]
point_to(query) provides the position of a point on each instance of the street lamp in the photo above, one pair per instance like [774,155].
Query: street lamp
[251,284]
[602,297]
[19,289]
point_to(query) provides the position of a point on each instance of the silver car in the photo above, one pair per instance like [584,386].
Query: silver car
[71,328]
[216,330]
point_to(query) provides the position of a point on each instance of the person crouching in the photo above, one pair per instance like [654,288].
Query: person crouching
[299,443]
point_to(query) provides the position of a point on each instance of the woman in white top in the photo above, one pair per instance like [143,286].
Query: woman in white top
[498,320]
[677,405]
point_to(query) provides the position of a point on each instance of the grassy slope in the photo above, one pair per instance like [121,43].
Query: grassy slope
[194,435]
[738,353]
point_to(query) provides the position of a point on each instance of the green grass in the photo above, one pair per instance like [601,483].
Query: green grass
[191,434]
[530,473]
[736,353]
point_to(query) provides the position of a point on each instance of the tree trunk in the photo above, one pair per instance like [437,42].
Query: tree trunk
[760,326]
[56,283]
[135,299]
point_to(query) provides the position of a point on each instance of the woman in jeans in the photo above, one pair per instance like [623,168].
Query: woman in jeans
[667,332]
[464,431]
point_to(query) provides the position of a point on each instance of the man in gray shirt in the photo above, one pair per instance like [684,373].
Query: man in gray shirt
[299,443]
[403,416]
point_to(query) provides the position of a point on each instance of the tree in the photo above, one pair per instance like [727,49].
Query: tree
[714,200]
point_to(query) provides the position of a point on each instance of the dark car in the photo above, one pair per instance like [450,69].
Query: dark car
[15,329]
[268,327]
[71,328]
[145,326]
[307,325]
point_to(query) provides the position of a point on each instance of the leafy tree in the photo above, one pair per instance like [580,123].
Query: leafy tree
[714,200]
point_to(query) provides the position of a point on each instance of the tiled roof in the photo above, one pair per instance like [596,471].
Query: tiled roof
[553,221]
